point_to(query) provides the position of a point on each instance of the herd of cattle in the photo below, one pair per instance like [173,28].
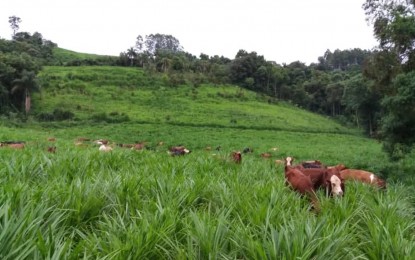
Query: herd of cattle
[309,176]
[305,178]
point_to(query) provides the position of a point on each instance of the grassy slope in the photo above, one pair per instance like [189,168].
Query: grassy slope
[89,90]
[64,55]
[79,203]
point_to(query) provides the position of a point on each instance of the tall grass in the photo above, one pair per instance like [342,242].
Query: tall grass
[80,203]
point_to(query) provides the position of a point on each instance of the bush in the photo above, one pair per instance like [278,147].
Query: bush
[56,115]
[112,117]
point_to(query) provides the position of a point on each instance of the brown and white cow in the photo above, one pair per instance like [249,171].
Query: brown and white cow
[363,176]
[322,177]
[178,150]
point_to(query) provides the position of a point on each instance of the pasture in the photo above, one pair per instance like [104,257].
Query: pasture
[82,203]
[126,204]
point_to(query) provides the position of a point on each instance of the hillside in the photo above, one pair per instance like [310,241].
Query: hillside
[128,94]
[67,57]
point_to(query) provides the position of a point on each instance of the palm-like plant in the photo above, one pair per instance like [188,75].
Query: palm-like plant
[26,84]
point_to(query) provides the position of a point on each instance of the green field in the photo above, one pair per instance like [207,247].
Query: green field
[126,204]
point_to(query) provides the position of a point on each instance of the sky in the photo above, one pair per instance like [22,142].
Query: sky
[283,31]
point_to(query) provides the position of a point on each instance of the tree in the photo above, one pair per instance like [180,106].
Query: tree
[157,42]
[26,84]
[132,55]
[398,125]
[14,23]
[393,70]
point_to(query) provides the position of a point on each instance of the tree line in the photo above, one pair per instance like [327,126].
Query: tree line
[371,89]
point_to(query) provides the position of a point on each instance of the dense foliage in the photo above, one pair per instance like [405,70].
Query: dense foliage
[391,69]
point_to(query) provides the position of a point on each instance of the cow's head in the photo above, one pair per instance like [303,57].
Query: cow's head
[236,157]
[334,183]
[289,161]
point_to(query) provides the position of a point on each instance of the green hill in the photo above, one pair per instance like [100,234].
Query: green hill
[98,92]
[67,57]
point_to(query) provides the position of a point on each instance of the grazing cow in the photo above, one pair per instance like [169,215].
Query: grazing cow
[178,150]
[16,145]
[139,146]
[125,145]
[236,157]
[248,150]
[363,176]
[102,141]
[312,164]
[301,184]
[266,155]
[329,179]
[51,149]
[104,147]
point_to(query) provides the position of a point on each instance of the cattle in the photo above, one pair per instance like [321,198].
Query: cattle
[302,184]
[289,161]
[104,147]
[178,150]
[51,149]
[248,150]
[139,146]
[328,179]
[312,164]
[266,155]
[13,145]
[236,157]
[125,145]
[102,141]
[51,139]
[363,176]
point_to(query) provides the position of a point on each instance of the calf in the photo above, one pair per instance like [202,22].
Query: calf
[236,157]
[363,176]
[302,184]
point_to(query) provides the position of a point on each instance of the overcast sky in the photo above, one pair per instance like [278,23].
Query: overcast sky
[281,30]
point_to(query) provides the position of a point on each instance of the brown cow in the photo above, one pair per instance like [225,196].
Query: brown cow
[266,155]
[51,149]
[139,146]
[301,184]
[329,179]
[363,176]
[236,157]
[178,150]
[15,145]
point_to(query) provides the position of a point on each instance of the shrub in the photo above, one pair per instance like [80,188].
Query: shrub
[112,117]
[56,115]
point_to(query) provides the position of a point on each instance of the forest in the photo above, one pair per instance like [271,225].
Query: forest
[373,90]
